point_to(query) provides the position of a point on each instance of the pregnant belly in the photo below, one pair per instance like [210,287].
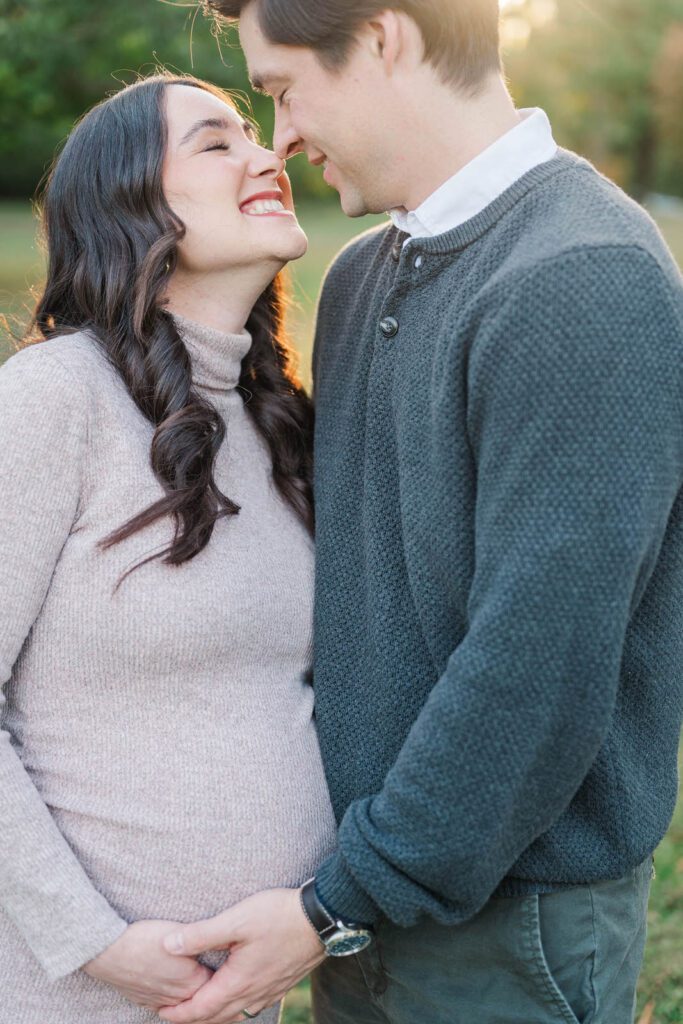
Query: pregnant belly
[181,832]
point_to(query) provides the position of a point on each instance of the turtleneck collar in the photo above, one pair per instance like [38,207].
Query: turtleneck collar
[216,355]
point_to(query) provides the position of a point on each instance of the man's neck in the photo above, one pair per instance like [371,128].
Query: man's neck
[476,123]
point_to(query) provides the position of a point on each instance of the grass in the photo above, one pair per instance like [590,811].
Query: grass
[660,990]
[660,999]
[21,268]
[327,230]
[671,226]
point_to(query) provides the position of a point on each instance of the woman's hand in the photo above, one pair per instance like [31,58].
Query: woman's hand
[138,965]
[272,945]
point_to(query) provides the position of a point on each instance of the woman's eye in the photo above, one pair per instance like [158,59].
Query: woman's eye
[217,145]
[282,97]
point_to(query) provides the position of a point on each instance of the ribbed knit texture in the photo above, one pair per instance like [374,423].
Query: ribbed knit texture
[499,604]
[158,754]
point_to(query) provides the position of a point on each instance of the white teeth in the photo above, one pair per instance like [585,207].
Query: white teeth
[260,206]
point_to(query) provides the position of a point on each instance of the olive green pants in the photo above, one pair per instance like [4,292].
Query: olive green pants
[569,957]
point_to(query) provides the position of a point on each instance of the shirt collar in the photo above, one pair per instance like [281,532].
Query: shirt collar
[479,182]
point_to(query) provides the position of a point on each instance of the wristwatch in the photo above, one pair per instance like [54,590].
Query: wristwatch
[340,938]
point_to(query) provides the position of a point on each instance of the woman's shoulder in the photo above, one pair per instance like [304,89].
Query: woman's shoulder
[50,390]
[47,390]
[64,366]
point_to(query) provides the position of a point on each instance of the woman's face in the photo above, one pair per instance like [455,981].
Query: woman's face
[231,194]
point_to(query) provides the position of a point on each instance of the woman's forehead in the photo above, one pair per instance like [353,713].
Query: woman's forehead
[187,104]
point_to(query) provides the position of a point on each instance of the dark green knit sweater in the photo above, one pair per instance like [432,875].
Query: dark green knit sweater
[499,622]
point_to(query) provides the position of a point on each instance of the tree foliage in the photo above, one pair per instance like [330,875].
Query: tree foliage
[57,59]
[609,72]
[610,75]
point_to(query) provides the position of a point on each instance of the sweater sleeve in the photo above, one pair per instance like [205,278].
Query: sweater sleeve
[576,430]
[43,431]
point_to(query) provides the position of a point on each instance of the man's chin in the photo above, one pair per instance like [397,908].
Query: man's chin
[353,205]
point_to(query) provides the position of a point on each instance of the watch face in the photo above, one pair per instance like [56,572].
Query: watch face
[345,943]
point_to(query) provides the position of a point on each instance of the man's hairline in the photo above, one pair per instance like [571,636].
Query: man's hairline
[258,81]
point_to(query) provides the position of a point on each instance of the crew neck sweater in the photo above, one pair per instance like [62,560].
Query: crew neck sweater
[158,753]
[499,596]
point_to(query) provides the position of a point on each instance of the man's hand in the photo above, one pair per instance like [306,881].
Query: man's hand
[142,970]
[271,947]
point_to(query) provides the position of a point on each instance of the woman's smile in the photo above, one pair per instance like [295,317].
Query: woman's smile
[265,204]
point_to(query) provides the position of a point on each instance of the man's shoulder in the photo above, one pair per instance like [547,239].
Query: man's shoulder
[581,220]
[582,210]
[353,260]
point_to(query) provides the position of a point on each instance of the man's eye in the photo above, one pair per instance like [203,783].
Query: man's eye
[282,98]
[217,145]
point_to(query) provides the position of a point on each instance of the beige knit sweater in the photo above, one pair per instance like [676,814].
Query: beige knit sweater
[158,754]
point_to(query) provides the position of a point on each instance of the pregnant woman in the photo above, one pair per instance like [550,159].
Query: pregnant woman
[158,754]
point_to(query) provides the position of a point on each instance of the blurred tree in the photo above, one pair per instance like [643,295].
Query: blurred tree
[609,73]
[668,91]
[58,59]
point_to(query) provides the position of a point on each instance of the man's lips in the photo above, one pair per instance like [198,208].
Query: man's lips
[322,161]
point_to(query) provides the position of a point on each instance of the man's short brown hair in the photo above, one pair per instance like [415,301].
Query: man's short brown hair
[461,37]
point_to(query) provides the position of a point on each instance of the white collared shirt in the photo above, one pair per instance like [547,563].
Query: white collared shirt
[483,179]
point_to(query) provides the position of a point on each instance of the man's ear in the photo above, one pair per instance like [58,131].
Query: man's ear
[384,34]
[395,39]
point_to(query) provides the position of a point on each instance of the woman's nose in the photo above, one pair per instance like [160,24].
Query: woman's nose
[265,161]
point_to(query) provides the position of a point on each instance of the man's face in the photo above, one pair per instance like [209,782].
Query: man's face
[330,116]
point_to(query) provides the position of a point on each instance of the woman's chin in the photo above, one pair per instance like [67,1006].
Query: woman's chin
[292,249]
[301,249]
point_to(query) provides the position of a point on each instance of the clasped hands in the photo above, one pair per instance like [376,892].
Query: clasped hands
[271,947]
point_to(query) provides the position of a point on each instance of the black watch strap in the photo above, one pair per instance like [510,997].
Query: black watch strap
[324,924]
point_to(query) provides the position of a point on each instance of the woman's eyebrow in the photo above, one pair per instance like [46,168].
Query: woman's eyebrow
[251,127]
[212,122]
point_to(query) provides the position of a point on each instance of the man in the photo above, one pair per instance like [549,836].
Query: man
[499,620]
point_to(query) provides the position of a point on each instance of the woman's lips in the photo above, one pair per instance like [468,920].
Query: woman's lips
[267,208]
[265,204]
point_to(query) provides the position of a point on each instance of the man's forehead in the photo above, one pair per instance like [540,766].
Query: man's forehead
[268,63]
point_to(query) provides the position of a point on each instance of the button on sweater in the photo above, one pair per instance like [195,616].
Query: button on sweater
[499,596]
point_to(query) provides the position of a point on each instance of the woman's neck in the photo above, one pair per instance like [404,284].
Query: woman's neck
[221,301]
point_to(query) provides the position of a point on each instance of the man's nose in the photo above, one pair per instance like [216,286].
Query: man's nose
[286,141]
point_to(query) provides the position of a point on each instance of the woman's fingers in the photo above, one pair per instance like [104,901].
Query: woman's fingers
[200,936]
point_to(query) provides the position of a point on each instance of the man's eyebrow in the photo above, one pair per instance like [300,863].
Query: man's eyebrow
[215,122]
[264,83]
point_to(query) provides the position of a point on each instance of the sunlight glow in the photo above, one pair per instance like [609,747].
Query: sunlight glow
[520,17]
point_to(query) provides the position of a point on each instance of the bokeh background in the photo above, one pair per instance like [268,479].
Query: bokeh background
[608,72]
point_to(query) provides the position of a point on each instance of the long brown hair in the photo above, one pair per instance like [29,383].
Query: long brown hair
[111,240]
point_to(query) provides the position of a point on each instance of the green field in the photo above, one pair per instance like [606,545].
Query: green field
[21,267]
[661,985]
